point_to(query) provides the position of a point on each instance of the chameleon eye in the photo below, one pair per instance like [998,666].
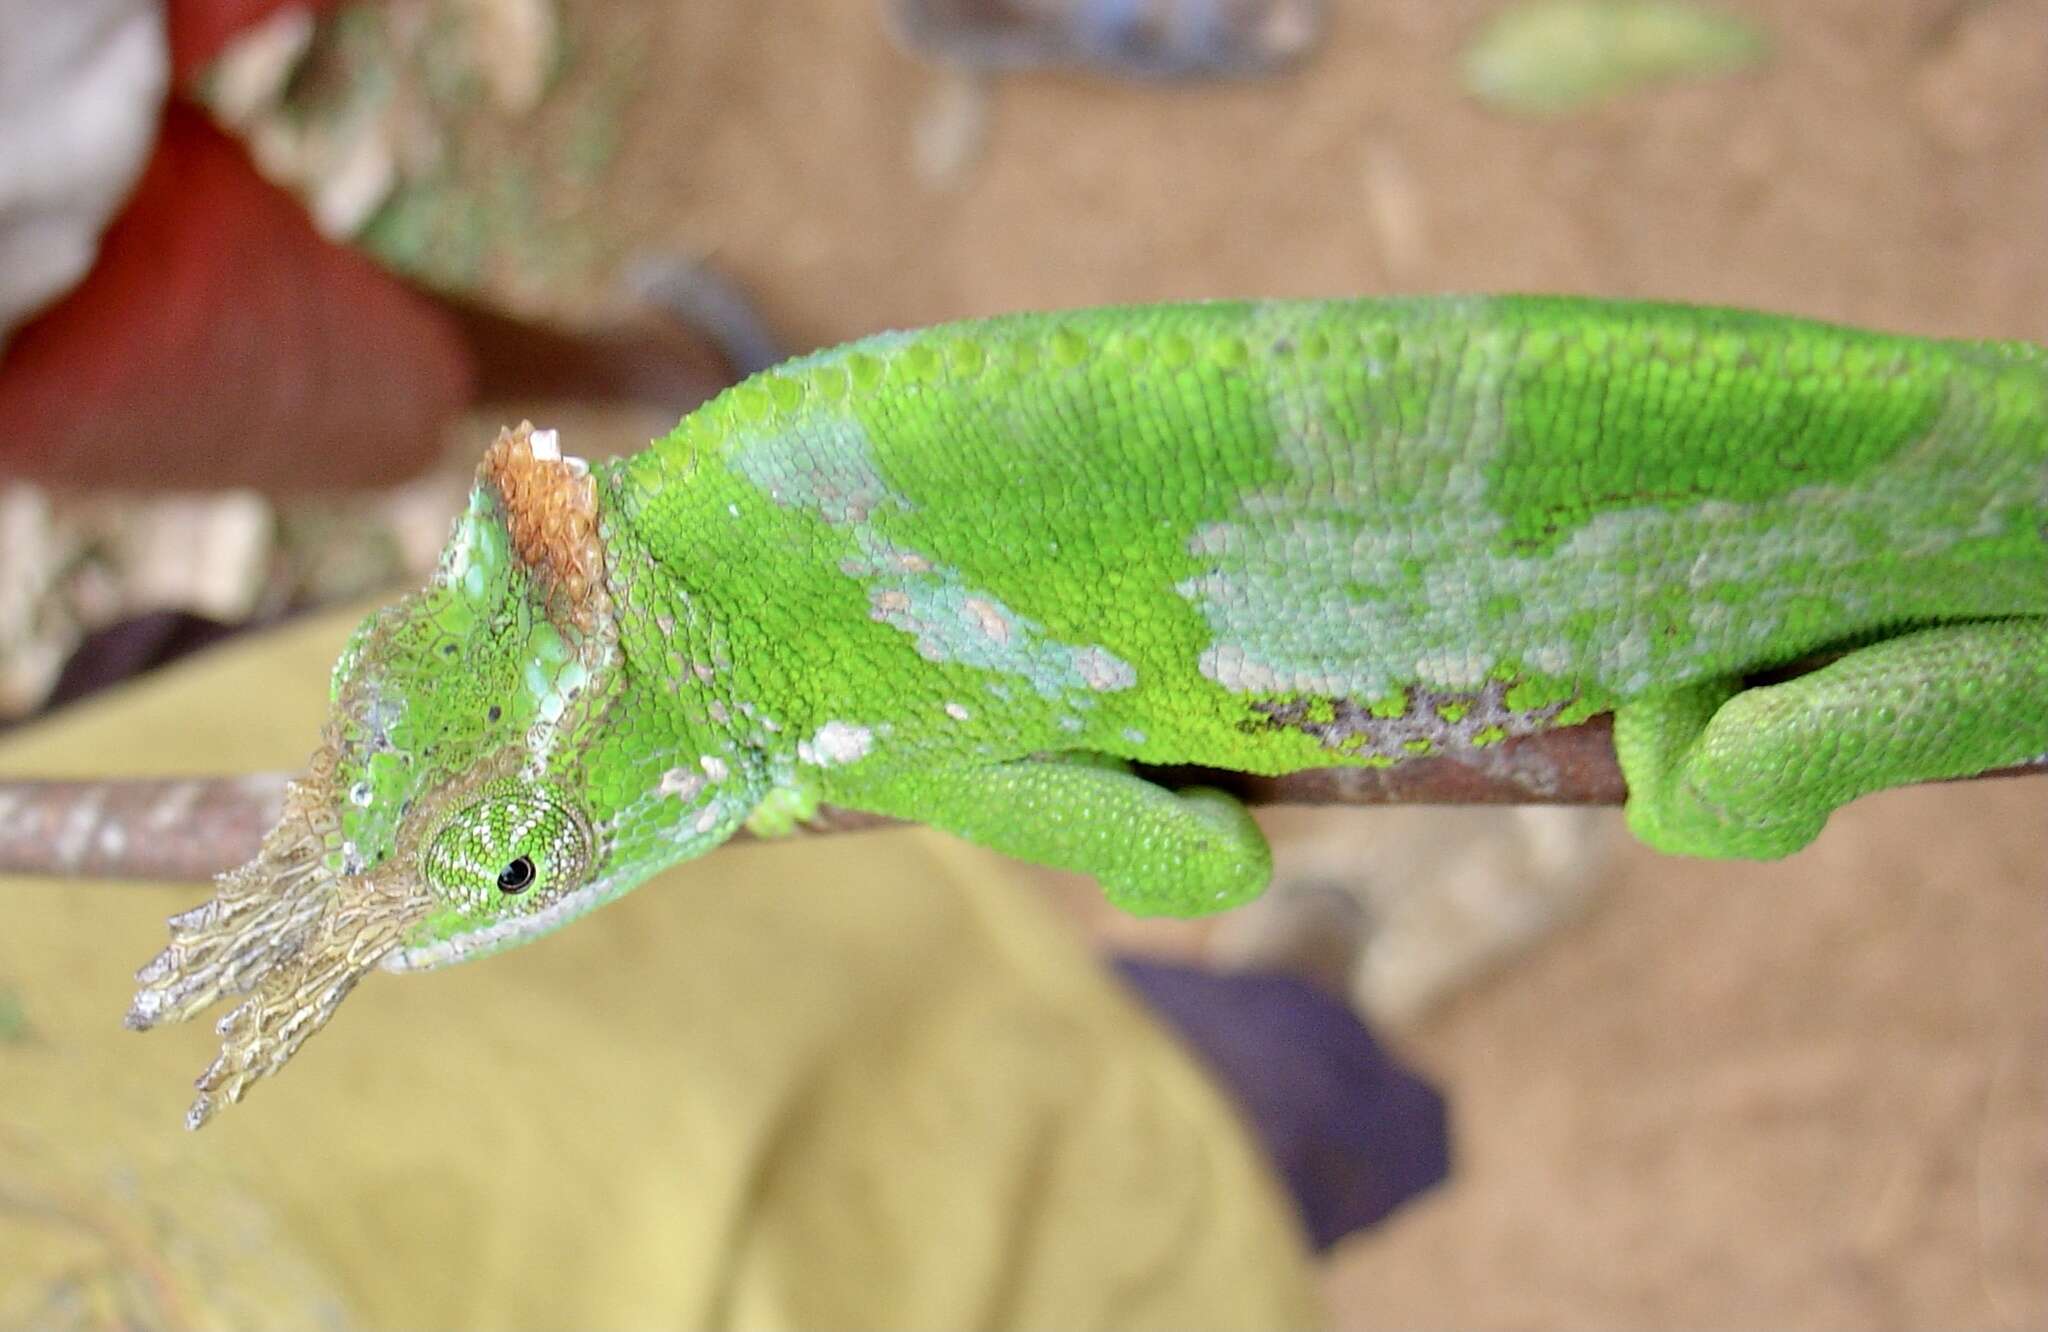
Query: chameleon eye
[515,848]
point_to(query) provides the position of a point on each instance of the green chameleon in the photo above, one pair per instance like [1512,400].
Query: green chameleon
[967,576]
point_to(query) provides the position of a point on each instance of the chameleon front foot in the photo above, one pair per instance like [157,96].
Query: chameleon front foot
[1155,852]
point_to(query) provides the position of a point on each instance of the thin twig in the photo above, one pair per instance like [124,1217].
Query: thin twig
[188,828]
[165,828]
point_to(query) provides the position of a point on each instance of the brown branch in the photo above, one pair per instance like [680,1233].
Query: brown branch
[188,828]
[170,828]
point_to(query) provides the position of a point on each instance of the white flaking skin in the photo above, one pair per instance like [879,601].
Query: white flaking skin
[835,743]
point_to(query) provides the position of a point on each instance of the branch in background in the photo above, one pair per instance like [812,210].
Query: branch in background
[189,828]
[173,828]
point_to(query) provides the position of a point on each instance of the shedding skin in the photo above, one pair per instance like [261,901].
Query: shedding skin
[968,576]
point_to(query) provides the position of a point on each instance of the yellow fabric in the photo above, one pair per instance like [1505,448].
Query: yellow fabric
[834,1082]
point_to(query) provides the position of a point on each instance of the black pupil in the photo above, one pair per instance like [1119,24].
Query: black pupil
[516,877]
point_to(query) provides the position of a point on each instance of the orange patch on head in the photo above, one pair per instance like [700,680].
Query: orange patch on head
[551,514]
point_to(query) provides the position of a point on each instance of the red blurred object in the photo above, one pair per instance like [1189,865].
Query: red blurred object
[219,340]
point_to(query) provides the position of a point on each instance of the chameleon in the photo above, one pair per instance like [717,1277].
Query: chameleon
[970,575]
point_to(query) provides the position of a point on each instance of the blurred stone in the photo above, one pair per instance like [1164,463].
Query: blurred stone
[34,634]
[358,175]
[516,46]
[1308,929]
[1447,894]
[250,76]
[72,565]
[208,554]
[951,130]
[1393,204]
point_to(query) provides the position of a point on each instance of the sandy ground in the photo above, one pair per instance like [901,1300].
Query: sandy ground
[1809,1094]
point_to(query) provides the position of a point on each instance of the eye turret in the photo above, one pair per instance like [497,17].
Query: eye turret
[515,848]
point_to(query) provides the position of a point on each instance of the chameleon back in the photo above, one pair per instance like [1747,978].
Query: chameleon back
[1283,534]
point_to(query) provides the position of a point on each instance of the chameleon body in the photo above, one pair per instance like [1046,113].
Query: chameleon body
[967,575]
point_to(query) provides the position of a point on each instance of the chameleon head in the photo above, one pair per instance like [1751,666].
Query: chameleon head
[491,768]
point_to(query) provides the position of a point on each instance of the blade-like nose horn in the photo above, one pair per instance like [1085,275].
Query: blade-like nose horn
[284,929]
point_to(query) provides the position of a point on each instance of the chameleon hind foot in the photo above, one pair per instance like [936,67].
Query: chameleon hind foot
[1720,771]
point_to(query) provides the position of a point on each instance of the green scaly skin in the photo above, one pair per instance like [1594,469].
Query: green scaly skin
[965,576]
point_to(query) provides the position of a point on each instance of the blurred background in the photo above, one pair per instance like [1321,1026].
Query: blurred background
[1804,1094]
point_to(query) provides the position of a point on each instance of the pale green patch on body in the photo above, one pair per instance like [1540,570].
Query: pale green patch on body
[827,469]
[1434,574]
[825,466]
[950,622]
